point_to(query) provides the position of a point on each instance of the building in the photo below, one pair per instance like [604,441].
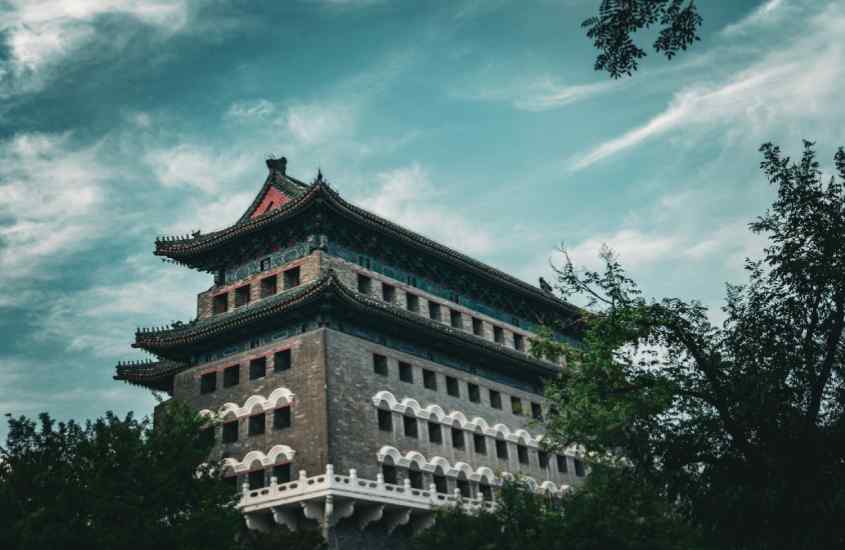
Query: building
[363,374]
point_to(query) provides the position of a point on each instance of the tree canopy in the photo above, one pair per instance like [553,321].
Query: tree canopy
[741,424]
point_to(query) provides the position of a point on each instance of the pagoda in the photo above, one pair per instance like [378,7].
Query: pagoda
[362,375]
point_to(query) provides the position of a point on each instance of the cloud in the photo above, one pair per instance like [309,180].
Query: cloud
[50,193]
[541,94]
[407,197]
[246,110]
[791,86]
[634,247]
[314,124]
[766,14]
[191,165]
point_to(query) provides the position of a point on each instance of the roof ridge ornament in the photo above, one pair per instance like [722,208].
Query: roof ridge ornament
[277,164]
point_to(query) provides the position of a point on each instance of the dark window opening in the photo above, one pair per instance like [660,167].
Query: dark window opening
[452,387]
[474,393]
[265,264]
[281,360]
[536,411]
[495,399]
[429,380]
[543,459]
[480,443]
[516,405]
[498,335]
[282,473]
[518,342]
[291,277]
[412,302]
[208,382]
[380,364]
[220,303]
[268,286]
[416,479]
[457,438]
[385,420]
[389,473]
[242,296]
[281,418]
[230,432]
[501,449]
[562,466]
[477,327]
[257,424]
[434,311]
[486,491]
[579,467]
[410,425]
[463,487]
[231,376]
[522,454]
[388,293]
[440,484]
[256,479]
[435,435]
[455,319]
[365,284]
[406,372]
[258,368]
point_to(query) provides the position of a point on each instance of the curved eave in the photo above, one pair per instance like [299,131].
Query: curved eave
[167,342]
[186,251]
[155,375]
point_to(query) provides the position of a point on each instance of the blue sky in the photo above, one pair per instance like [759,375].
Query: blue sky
[479,123]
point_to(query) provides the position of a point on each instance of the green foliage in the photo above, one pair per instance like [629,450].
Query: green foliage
[741,425]
[613,510]
[118,484]
[612,29]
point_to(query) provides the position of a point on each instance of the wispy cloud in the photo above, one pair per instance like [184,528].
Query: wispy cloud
[316,123]
[251,110]
[197,166]
[767,13]
[541,94]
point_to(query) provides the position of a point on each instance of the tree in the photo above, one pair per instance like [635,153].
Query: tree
[741,425]
[612,29]
[118,484]
[613,510]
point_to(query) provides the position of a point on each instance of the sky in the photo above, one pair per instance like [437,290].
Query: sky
[481,124]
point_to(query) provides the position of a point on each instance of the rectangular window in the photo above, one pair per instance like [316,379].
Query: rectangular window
[412,302]
[265,264]
[410,425]
[231,376]
[380,364]
[518,342]
[463,487]
[281,360]
[522,454]
[435,435]
[230,432]
[282,473]
[495,399]
[429,379]
[477,327]
[562,466]
[486,491]
[579,467]
[498,335]
[258,368]
[480,443]
[389,473]
[543,459]
[440,484]
[416,479]
[385,420]
[516,405]
[457,438]
[536,411]
[256,479]
[208,382]
[281,418]
[220,303]
[452,387]
[501,449]
[268,286]
[388,293]
[474,393]
[455,319]
[406,372]
[434,311]
[257,422]
[242,296]
[291,278]
[365,284]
